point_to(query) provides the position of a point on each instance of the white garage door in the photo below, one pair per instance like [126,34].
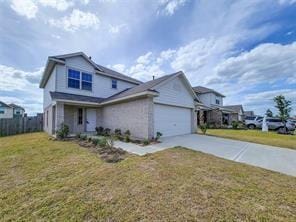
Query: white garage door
[172,121]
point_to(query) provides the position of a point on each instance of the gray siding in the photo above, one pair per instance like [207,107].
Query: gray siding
[8,113]
[50,86]
[209,99]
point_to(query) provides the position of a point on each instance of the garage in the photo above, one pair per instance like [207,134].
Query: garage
[172,120]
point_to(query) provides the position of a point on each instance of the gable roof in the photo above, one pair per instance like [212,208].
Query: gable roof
[203,90]
[147,87]
[2,104]
[236,108]
[60,59]
[16,106]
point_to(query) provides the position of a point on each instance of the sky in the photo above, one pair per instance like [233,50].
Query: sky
[245,49]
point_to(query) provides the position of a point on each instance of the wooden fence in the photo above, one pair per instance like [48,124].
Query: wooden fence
[21,125]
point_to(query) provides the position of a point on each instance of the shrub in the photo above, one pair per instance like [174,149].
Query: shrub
[89,139]
[234,124]
[107,132]
[117,132]
[78,135]
[127,138]
[146,142]
[99,130]
[95,141]
[158,135]
[102,142]
[83,137]
[127,133]
[63,132]
[203,128]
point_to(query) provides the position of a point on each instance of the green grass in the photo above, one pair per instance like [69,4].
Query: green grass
[256,136]
[46,180]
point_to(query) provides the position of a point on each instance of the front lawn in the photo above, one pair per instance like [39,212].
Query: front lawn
[47,180]
[256,136]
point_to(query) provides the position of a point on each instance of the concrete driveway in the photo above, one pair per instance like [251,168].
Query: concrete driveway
[273,158]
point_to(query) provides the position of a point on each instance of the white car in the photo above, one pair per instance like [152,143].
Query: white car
[253,122]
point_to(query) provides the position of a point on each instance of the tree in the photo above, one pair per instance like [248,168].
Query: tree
[269,113]
[283,106]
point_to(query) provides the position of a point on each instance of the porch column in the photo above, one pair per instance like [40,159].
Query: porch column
[59,117]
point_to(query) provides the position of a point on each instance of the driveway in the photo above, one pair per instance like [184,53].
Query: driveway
[273,158]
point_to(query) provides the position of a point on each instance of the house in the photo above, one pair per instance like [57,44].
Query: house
[213,111]
[6,111]
[84,95]
[249,113]
[18,111]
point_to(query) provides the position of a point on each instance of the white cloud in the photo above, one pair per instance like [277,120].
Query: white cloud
[169,7]
[119,67]
[267,63]
[27,8]
[77,20]
[21,87]
[290,2]
[60,5]
[115,29]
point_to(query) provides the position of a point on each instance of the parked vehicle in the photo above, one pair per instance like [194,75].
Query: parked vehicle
[253,122]
[277,123]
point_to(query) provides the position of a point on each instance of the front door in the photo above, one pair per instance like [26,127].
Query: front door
[91,120]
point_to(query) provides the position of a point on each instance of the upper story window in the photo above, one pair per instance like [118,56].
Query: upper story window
[73,79]
[114,84]
[86,83]
[217,101]
[79,80]
[2,110]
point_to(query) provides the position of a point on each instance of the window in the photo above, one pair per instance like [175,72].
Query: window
[114,84]
[86,83]
[80,116]
[18,112]
[73,79]
[217,101]
[2,111]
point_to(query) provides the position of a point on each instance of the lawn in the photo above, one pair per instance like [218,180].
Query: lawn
[256,136]
[41,179]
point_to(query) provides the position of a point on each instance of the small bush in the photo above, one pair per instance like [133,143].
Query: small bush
[107,132]
[102,142]
[234,124]
[146,142]
[63,132]
[78,135]
[117,132]
[127,138]
[95,141]
[203,128]
[83,137]
[158,135]
[99,130]
[89,139]
[127,133]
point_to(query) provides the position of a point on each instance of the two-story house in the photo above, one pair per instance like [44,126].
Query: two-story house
[84,95]
[214,112]
[6,112]
[18,111]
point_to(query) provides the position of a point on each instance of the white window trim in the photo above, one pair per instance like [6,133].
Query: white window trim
[116,84]
[80,78]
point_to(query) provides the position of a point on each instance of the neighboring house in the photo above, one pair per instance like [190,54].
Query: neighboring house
[6,111]
[18,111]
[239,110]
[213,111]
[249,113]
[85,95]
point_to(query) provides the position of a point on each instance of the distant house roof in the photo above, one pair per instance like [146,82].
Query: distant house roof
[236,108]
[73,97]
[53,60]
[16,106]
[203,90]
[249,113]
[2,104]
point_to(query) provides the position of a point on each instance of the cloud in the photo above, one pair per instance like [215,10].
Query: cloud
[169,7]
[27,8]
[60,5]
[76,20]
[117,28]
[21,87]
[266,63]
[290,2]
